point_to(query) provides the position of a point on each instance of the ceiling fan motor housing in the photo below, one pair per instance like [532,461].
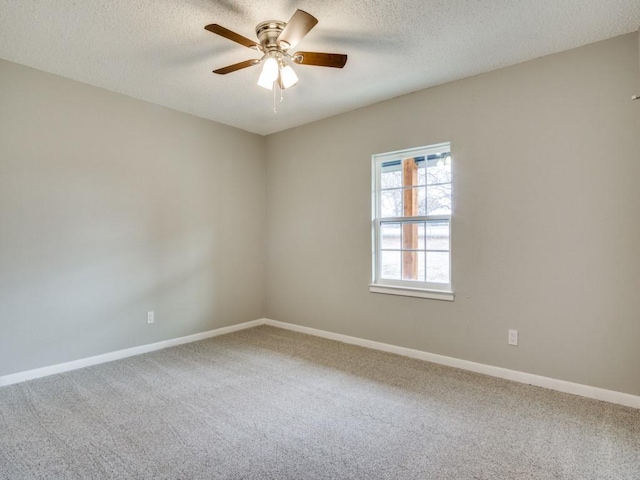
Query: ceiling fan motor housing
[268,33]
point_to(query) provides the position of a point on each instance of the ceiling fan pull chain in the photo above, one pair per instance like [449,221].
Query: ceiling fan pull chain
[275,109]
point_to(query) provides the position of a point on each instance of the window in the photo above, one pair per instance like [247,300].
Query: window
[412,222]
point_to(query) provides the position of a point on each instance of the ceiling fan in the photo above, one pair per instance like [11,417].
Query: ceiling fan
[276,39]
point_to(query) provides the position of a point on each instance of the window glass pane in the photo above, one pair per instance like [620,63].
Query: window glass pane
[437,267]
[439,171]
[422,173]
[413,234]
[391,179]
[422,201]
[390,265]
[439,199]
[390,235]
[391,203]
[413,266]
[438,235]
[422,266]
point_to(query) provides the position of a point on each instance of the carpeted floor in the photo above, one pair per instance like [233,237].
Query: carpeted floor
[268,403]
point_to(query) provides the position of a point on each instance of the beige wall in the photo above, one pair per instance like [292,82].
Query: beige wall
[110,207]
[546,228]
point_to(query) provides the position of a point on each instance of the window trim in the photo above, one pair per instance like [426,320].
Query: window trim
[412,292]
[410,288]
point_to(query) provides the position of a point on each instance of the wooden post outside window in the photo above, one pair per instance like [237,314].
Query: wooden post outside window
[410,230]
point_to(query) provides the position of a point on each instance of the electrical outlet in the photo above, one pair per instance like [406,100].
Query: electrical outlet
[150,317]
[513,337]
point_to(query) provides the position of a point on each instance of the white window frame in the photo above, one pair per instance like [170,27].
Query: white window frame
[437,291]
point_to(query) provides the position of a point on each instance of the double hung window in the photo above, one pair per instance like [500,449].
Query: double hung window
[412,222]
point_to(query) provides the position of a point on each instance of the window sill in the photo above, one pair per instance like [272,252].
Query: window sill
[412,292]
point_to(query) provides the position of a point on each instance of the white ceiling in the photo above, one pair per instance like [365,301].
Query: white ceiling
[158,50]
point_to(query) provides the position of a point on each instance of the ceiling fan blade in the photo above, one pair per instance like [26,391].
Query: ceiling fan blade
[300,24]
[236,66]
[335,60]
[233,36]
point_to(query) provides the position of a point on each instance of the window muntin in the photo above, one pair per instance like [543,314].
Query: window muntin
[412,218]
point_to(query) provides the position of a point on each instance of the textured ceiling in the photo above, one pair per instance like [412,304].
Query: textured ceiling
[158,50]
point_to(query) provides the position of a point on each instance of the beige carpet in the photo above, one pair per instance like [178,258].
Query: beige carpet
[267,403]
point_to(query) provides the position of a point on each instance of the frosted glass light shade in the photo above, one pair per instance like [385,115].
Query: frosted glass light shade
[288,77]
[265,82]
[269,74]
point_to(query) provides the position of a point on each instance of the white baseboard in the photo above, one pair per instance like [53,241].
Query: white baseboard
[117,355]
[521,377]
[514,375]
